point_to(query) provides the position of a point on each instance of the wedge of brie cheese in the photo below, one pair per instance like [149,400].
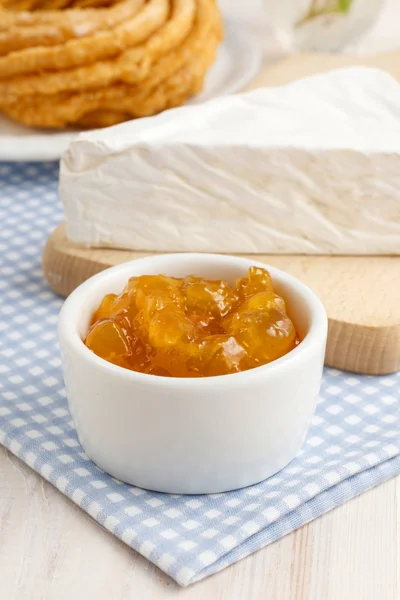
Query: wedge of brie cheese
[310,167]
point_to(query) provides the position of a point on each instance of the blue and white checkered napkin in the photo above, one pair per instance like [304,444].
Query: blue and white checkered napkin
[353,444]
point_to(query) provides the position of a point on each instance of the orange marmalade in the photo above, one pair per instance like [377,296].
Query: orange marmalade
[192,327]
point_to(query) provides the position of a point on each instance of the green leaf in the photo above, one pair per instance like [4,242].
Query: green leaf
[344,5]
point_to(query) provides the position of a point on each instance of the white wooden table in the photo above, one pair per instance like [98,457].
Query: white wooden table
[51,550]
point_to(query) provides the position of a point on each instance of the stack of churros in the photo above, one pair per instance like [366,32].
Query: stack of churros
[97,63]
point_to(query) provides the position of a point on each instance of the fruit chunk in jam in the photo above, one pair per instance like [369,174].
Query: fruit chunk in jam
[192,327]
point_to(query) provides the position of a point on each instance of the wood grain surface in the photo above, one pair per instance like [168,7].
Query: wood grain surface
[51,550]
[361,296]
[302,65]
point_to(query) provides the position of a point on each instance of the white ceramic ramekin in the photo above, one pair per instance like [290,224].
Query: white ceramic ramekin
[192,436]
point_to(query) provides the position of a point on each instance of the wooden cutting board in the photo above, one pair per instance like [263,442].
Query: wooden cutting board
[361,294]
[302,65]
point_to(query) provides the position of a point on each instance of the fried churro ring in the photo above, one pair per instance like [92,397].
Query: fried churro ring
[23,5]
[20,37]
[42,5]
[160,71]
[91,3]
[89,49]
[52,4]
[172,93]
[166,65]
[102,118]
[55,4]
[132,66]
[120,99]
[68,20]
[144,100]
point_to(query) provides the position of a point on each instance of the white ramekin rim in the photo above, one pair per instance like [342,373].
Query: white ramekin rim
[69,336]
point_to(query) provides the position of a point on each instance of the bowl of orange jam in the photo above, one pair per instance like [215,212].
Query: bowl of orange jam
[192,373]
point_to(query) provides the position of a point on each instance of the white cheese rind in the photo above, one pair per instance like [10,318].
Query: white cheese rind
[310,167]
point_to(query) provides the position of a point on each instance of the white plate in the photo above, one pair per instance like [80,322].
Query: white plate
[239,60]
